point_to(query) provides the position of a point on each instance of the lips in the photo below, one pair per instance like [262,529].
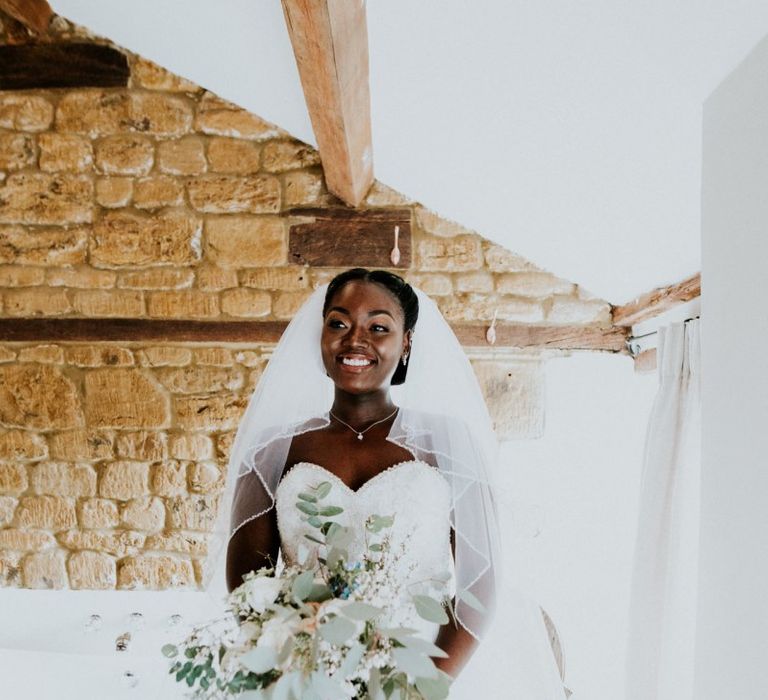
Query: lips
[355,362]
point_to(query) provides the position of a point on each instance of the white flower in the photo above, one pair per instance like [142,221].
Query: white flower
[248,632]
[275,633]
[261,591]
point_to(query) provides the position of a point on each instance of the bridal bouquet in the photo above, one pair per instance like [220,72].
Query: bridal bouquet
[319,632]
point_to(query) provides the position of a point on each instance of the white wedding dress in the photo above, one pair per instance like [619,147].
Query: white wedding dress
[419,498]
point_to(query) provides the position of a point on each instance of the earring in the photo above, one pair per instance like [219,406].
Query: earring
[405,359]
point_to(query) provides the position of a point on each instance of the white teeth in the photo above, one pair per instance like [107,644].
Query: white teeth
[354,362]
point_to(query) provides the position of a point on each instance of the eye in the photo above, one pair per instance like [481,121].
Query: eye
[378,328]
[335,323]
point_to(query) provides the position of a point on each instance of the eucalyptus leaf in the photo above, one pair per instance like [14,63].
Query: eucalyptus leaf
[412,662]
[308,497]
[319,593]
[398,633]
[361,611]
[283,688]
[327,688]
[302,585]
[323,489]
[471,600]
[375,547]
[330,511]
[314,521]
[259,660]
[375,691]
[434,688]
[338,630]
[351,661]
[334,557]
[429,609]
[170,650]
[308,508]
[314,539]
[424,646]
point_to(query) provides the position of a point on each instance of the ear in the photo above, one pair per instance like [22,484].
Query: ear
[407,338]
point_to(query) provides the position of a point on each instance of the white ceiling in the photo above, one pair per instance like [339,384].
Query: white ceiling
[570,132]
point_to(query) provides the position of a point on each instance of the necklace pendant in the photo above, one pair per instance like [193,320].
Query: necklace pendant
[359,436]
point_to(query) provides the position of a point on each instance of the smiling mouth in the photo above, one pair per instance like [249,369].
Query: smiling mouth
[355,361]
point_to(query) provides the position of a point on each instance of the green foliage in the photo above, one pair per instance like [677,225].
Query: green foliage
[429,609]
[170,650]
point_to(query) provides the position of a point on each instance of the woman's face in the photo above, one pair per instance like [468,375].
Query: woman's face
[363,337]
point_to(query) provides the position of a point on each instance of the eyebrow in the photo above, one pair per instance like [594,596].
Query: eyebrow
[375,312]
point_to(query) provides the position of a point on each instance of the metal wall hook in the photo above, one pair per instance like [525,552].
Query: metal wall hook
[394,256]
[490,334]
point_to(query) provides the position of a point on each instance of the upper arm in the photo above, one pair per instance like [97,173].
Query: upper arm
[255,545]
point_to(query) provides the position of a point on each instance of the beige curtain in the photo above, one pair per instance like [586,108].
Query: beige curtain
[662,618]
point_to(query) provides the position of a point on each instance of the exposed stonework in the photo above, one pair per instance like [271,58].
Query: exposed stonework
[124,398]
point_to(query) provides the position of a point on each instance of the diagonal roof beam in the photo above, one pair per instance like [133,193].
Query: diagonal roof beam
[330,43]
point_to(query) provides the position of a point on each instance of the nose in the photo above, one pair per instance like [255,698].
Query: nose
[358,336]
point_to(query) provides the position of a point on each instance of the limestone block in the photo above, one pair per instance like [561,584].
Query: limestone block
[382,196]
[46,354]
[237,123]
[37,301]
[205,477]
[246,303]
[22,112]
[209,413]
[184,303]
[93,112]
[16,151]
[64,152]
[81,445]
[13,478]
[120,544]
[432,284]
[108,303]
[435,225]
[163,356]
[155,573]
[217,357]
[233,156]
[149,75]
[288,303]
[288,155]
[473,307]
[253,379]
[124,480]
[157,278]
[499,259]
[80,278]
[157,191]
[302,188]
[124,398]
[125,155]
[20,276]
[7,508]
[211,100]
[98,514]
[184,156]
[479,282]
[225,194]
[289,278]
[160,115]
[169,478]
[63,479]
[38,397]
[533,284]
[10,569]
[44,570]
[46,512]
[145,445]
[240,241]
[178,541]
[43,246]
[570,310]
[211,278]
[122,238]
[200,380]
[25,540]
[144,514]
[91,570]
[99,356]
[224,445]
[456,254]
[249,358]
[42,198]
[191,446]
[7,355]
[193,512]
[114,192]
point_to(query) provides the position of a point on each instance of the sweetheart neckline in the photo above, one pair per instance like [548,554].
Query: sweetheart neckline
[365,484]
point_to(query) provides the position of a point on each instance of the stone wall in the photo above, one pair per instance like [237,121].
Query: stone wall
[162,201]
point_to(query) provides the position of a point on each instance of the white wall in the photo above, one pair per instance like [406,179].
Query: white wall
[733,603]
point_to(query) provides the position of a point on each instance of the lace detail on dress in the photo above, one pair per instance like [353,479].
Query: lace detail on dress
[415,493]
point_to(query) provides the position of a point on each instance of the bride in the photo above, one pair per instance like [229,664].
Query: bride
[369,390]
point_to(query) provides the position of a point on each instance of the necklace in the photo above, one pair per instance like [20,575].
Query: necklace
[360,433]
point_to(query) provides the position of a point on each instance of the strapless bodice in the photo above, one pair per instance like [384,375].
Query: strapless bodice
[413,492]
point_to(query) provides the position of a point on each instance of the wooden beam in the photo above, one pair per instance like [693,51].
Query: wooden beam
[330,43]
[33,14]
[32,66]
[657,301]
[349,237]
[127,330]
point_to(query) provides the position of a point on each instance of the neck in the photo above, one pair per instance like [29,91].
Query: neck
[359,409]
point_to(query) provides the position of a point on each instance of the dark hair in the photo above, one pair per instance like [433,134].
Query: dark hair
[396,285]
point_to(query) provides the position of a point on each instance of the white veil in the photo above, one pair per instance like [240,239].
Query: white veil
[442,420]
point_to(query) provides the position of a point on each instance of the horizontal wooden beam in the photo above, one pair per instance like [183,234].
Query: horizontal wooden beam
[330,43]
[657,301]
[33,14]
[34,66]
[127,330]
